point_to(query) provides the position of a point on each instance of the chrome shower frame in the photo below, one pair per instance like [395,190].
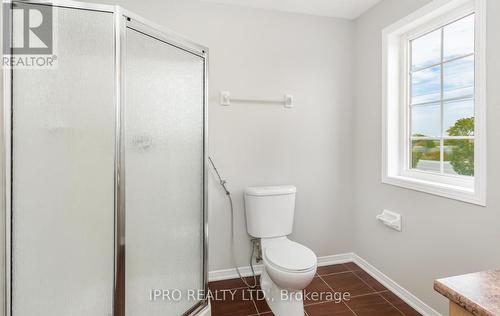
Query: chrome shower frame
[122,19]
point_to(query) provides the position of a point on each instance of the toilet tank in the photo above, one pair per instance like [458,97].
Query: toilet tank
[269,210]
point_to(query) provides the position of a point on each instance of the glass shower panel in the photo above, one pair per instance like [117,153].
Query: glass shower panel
[164,175]
[63,174]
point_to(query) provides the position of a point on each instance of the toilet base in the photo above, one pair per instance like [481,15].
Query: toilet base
[282,302]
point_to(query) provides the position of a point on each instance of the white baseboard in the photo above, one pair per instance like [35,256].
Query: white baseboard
[335,259]
[394,287]
[227,274]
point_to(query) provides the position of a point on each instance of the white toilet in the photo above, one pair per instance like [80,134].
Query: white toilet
[289,266]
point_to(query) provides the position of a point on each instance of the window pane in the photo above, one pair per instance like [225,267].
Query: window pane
[459,78]
[426,120]
[426,50]
[459,156]
[426,85]
[458,118]
[459,38]
[426,155]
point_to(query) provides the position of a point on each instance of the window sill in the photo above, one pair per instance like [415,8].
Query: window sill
[445,190]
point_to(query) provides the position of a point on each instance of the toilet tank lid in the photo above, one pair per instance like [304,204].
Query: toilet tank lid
[271,190]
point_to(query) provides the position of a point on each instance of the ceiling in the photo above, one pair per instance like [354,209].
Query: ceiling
[348,9]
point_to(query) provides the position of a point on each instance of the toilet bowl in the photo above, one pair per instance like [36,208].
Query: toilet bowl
[289,267]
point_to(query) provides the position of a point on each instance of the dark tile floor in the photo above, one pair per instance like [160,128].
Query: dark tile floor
[367,296]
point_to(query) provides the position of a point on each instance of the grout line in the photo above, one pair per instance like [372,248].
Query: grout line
[334,292]
[334,273]
[374,291]
[364,281]
[350,309]
[378,293]
[351,270]
[356,296]
[392,305]
[317,275]
[368,294]
[255,306]
[324,302]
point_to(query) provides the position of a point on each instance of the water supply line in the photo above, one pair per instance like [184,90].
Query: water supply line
[223,184]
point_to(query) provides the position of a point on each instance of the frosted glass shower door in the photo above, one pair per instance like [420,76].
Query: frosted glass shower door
[63,147]
[164,168]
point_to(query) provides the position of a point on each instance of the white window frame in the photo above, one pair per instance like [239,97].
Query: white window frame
[395,127]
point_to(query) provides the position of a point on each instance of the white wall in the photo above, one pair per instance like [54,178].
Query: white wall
[266,54]
[440,237]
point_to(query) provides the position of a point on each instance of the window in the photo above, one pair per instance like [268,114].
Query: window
[433,88]
[441,99]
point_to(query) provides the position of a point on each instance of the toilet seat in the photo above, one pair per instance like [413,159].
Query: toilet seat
[287,255]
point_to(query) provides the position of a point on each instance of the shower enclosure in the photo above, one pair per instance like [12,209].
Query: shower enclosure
[104,169]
